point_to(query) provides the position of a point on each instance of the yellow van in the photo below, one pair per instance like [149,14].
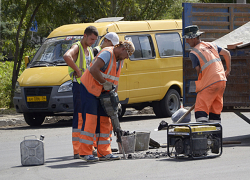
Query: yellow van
[152,76]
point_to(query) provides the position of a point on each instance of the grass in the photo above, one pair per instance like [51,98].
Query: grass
[5,83]
[6,68]
[8,111]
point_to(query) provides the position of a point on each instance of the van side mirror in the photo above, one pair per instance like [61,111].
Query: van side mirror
[26,60]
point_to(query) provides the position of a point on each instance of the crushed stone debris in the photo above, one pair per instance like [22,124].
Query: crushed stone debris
[147,155]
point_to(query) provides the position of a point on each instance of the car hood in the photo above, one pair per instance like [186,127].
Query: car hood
[44,76]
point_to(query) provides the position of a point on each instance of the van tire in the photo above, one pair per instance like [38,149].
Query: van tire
[34,119]
[157,109]
[168,105]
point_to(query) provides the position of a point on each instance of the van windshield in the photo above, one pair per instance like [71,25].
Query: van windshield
[52,51]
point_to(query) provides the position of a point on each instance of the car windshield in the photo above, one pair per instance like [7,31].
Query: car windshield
[52,51]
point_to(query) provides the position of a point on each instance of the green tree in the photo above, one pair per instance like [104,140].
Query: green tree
[18,15]
[23,12]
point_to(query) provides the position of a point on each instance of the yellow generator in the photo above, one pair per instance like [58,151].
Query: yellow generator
[194,140]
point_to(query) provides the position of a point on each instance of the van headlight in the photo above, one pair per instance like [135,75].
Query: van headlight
[18,88]
[67,86]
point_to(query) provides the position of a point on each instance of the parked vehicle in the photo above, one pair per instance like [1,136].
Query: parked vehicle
[152,76]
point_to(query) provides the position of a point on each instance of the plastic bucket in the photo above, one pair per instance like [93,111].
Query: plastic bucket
[128,144]
[142,140]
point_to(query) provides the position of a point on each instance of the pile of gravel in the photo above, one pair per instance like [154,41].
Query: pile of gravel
[150,154]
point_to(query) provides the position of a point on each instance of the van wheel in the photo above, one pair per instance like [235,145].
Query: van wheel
[34,119]
[157,109]
[168,105]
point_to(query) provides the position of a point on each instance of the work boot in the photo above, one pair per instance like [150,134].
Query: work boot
[76,156]
[202,120]
[214,121]
[109,157]
[89,158]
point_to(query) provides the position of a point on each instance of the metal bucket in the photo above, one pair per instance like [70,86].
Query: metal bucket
[128,144]
[142,140]
[32,151]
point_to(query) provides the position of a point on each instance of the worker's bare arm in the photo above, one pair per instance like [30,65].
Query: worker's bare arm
[70,58]
[197,68]
[95,70]
[227,56]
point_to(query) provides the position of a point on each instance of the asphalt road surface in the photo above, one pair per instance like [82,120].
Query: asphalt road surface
[234,163]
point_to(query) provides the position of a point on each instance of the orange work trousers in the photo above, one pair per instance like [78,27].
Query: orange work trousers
[95,121]
[209,101]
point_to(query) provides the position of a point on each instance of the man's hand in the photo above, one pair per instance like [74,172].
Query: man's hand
[227,56]
[107,85]
[227,73]
[77,74]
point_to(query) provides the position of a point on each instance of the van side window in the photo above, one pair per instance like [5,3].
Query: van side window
[144,48]
[169,44]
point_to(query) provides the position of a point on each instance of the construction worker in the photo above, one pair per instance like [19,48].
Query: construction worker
[212,77]
[78,58]
[110,39]
[102,75]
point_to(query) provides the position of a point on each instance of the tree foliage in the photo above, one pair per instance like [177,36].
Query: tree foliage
[17,17]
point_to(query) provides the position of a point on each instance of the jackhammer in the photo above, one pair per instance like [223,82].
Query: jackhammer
[109,101]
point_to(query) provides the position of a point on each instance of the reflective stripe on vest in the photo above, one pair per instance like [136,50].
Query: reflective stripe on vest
[107,76]
[81,61]
[111,74]
[206,63]
[212,69]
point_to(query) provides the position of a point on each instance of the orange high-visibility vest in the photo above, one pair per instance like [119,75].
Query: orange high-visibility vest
[212,69]
[110,74]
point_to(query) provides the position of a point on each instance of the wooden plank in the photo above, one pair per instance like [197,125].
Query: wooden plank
[211,23]
[220,14]
[220,5]
[216,30]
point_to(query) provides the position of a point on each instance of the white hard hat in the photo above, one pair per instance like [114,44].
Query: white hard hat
[113,37]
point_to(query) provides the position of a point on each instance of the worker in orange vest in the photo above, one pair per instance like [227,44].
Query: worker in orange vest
[110,39]
[102,75]
[212,77]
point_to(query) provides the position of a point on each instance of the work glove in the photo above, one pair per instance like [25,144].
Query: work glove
[107,86]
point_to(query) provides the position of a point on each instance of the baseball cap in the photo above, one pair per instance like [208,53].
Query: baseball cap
[129,46]
[113,37]
[191,32]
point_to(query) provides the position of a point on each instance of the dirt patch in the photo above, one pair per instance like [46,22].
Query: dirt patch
[132,111]
[55,119]
[10,111]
